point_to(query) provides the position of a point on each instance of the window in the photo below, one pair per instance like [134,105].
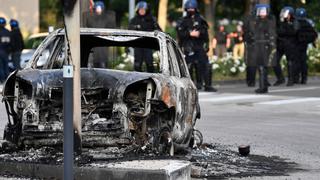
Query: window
[173,59]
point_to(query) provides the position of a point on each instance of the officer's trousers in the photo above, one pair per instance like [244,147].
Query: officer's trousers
[277,66]
[203,72]
[301,67]
[143,55]
[4,69]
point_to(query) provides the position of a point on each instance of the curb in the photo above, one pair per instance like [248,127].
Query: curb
[129,170]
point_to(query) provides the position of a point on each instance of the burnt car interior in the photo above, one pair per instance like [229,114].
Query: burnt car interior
[116,109]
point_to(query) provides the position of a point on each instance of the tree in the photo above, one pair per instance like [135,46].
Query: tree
[162,14]
[209,9]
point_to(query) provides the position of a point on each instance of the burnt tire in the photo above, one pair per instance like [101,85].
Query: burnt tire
[196,139]
[166,145]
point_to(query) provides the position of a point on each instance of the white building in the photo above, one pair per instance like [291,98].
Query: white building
[25,11]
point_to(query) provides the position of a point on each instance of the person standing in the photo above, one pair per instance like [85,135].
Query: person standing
[238,48]
[17,43]
[101,18]
[192,31]
[262,38]
[221,42]
[248,32]
[286,43]
[305,34]
[5,45]
[143,21]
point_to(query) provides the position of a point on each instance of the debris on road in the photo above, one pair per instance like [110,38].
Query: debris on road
[208,160]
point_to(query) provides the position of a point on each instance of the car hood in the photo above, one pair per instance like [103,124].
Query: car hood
[116,81]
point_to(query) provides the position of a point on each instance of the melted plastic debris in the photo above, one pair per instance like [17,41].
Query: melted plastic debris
[208,161]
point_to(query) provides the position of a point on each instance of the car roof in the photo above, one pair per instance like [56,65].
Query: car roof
[37,35]
[118,32]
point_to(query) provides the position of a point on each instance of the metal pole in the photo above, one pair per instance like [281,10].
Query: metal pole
[68,122]
[73,33]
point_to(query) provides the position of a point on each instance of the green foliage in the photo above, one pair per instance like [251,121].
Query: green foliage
[50,14]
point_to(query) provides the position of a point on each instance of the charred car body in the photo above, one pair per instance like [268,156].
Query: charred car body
[118,107]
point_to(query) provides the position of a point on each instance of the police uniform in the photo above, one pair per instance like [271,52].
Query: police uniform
[249,47]
[286,46]
[260,40]
[195,48]
[107,19]
[143,23]
[305,34]
[17,43]
[5,45]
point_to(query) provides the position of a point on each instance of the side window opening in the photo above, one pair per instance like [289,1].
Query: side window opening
[173,59]
[181,62]
[45,55]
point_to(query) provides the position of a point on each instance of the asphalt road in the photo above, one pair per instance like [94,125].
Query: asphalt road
[283,123]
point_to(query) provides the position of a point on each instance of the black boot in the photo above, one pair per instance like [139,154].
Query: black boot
[279,82]
[290,74]
[303,80]
[278,72]
[263,81]
[210,89]
[261,91]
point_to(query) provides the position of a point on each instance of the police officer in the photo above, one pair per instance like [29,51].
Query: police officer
[101,18]
[5,45]
[249,48]
[143,21]
[286,41]
[305,34]
[261,40]
[17,43]
[193,37]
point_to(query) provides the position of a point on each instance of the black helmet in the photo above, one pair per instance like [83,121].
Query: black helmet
[14,23]
[301,13]
[3,21]
[191,4]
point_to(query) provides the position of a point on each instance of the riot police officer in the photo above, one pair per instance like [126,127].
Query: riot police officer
[17,43]
[248,40]
[101,18]
[286,41]
[5,45]
[286,45]
[305,34]
[261,38]
[193,38]
[143,21]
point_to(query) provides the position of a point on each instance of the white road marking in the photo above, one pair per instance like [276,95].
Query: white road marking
[290,101]
[207,93]
[294,89]
[233,98]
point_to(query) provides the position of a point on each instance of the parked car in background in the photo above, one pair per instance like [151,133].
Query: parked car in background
[31,45]
[120,107]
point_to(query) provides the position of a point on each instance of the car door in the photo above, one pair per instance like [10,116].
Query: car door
[185,91]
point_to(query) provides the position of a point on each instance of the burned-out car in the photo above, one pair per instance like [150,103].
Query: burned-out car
[119,106]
